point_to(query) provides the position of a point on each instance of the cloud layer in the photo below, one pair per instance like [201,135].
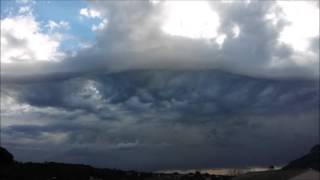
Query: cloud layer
[163,88]
[146,36]
[152,120]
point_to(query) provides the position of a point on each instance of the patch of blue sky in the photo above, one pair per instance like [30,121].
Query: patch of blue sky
[8,7]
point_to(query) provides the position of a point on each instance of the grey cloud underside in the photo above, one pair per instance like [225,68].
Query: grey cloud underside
[151,120]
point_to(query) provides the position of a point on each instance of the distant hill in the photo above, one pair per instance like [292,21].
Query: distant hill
[310,160]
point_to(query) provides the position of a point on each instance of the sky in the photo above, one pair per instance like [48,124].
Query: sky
[159,85]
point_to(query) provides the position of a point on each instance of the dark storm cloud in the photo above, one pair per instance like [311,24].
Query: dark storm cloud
[136,89]
[166,118]
[142,99]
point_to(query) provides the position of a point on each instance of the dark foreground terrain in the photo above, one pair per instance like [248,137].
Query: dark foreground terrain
[12,170]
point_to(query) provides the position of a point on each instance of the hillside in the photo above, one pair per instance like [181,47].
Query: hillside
[310,160]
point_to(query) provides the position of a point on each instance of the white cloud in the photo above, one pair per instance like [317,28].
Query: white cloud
[190,19]
[95,14]
[300,21]
[53,25]
[90,13]
[22,40]
[25,10]
[103,24]
[303,23]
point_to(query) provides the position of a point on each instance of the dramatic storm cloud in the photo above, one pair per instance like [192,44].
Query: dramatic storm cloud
[154,85]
